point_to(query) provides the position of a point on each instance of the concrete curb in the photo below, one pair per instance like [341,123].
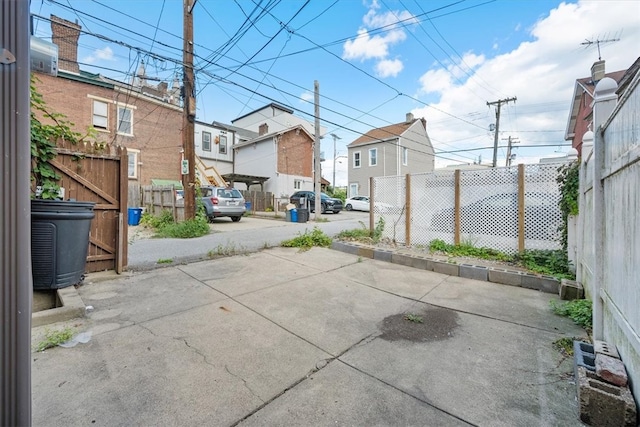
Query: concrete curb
[502,276]
[72,307]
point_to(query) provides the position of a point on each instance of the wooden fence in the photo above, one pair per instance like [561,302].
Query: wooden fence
[260,200]
[158,198]
[98,173]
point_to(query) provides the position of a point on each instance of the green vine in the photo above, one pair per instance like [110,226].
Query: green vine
[569,182]
[43,144]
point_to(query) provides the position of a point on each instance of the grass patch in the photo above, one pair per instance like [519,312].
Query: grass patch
[565,345]
[578,310]
[53,338]
[307,240]
[413,318]
[166,227]
[548,262]
[229,249]
[467,250]
[363,234]
[164,261]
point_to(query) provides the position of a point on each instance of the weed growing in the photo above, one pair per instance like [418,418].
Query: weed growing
[363,234]
[578,310]
[164,261]
[227,250]
[565,345]
[413,318]
[53,338]
[308,239]
[467,249]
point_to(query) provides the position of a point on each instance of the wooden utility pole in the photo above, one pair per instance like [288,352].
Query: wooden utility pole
[188,114]
[316,152]
[495,138]
[509,145]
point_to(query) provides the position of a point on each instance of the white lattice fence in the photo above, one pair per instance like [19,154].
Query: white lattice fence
[389,197]
[488,207]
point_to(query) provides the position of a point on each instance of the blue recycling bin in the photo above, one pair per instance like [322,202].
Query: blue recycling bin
[248,206]
[294,215]
[134,216]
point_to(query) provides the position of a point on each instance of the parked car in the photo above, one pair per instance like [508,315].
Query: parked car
[357,203]
[498,215]
[329,204]
[223,201]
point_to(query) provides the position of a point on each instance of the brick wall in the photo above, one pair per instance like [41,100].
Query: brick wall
[295,154]
[156,126]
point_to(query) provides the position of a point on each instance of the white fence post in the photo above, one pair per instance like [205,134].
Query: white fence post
[605,100]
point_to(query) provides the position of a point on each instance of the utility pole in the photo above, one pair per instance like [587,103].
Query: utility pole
[333,183]
[495,137]
[188,113]
[509,144]
[316,151]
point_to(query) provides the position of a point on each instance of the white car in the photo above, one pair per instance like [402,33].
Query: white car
[357,203]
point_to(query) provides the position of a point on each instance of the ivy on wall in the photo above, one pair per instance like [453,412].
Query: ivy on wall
[569,182]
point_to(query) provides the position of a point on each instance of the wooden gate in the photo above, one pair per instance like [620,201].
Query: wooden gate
[98,173]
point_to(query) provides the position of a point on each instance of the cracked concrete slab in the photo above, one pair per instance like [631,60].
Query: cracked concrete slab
[341,395]
[169,348]
[513,304]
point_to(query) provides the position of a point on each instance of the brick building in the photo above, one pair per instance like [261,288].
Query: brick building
[145,119]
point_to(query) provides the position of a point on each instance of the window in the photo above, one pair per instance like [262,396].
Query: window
[222,147]
[125,121]
[405,156]
[100,115]
[353,189]
[133,163]
[373,156]
[356,159]
[297,184]
[206,141]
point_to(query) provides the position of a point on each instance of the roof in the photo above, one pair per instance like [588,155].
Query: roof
[628,76]
[585,85]
[85,77]
[272,105]
[167,183]
[249,134]
[270,136]
[384,133]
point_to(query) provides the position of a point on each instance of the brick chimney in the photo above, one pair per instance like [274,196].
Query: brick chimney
[409,118]
[597,71]
[65,34]
[263,129]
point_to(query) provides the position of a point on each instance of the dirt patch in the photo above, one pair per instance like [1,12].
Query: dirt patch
[436,324]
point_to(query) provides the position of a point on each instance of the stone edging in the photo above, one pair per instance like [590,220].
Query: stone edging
[537,282]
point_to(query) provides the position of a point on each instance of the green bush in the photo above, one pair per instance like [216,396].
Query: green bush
[166,217]
[188,229]
[363,234]
[550,262]
[578,310]
[308,239]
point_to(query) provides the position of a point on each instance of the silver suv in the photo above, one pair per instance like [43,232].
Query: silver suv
[223,201]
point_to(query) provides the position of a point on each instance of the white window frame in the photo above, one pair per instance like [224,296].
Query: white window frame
[206,143]
[357,159]
[120,121]
[98,115]
[222,146]
[135,155]
[297,184]
[405,156]
[353,189]
[373,155]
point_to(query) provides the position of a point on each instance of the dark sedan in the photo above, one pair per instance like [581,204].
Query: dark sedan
[329,204]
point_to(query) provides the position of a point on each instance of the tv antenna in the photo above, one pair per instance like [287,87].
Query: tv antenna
[597,42]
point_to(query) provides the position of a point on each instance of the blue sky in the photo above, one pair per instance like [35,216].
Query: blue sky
[375,61]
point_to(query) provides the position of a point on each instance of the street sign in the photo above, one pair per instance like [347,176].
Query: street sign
[185,167]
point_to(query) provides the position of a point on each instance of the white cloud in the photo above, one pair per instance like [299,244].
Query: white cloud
[540,72]
[104,54]
[389,33]
[307,96]
[389,67]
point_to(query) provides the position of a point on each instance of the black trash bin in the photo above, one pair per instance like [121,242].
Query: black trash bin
[59,242]
[303,215]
